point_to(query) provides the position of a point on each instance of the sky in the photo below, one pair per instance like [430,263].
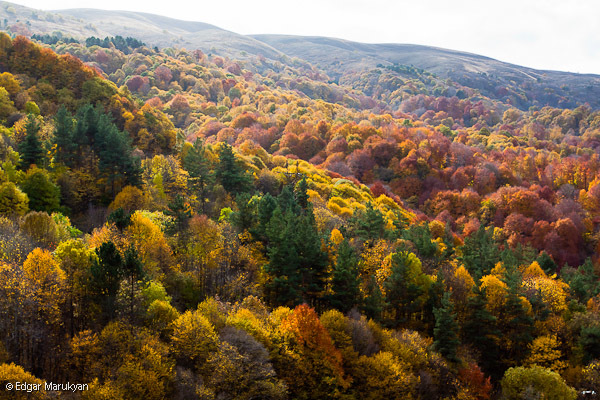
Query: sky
[544,34]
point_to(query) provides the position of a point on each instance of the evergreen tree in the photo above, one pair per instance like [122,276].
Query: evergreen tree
[198,167]
[373,303]
[107,272]
[446,329]
[368,225]
[31,147]
[517,325]
[230,173]
[283,264]
[120,218]
[297,264]
[245,217]
[266,207]
[420,235]
[402,290]
[345,280]
[301,194]
[181,212]
[480,330]
[584,281]
[547,263]
[64,137]
[480,253]
[43,194]
[133,271]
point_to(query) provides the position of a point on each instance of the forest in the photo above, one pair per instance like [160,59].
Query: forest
[179,225]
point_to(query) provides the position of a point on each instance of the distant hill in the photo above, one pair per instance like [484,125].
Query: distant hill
[492,77]
[344,61]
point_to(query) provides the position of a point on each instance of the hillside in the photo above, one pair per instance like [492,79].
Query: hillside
[342,60]
[493,78]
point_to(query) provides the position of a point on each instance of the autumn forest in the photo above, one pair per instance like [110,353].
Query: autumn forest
[176,224]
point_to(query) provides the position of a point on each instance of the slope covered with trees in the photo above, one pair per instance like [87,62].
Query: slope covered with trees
[180,225]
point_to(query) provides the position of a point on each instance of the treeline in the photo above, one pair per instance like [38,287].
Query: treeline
[126,45]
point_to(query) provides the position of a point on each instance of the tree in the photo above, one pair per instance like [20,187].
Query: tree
[42,193]
[345,279]
[230,173]
[367,225]
[521,382]
[193,339]
[481,332]
[446,329]
[180,211]
[107,272]
[31,147]
[199,168]
[480,253]
[373,302]
[133,272]
[406,287]
[12,200]
[64,137]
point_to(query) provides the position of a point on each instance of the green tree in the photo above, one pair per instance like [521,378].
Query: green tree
[42,193]
[12,200]
[64,137]
[535,382]
[480,253]
[373,303]
[31,147]
[133,271]
[445,332]
[406,286]
[199,169]
[480,330]
[345,279]
[107,272]
[230,173]
[367,225]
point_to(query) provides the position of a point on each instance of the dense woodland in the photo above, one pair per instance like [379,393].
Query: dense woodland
[179,225]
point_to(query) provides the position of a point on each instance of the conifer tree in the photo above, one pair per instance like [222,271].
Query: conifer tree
[517,325]
[230,173]
[198,167]
[345,280]
[133,271]
[446,329]
[368,225]
[373,303]
[64,137]
[31,147]
[480,253]
[480,330]
[107,272]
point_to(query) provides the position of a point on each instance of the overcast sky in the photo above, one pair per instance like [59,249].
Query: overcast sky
[545,34]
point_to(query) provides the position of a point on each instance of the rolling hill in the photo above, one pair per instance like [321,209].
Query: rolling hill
[343,61]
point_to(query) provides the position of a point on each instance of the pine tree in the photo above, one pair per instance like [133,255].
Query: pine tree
[245,217]
[373,303]
[133,271]
[230,173]
[198,167]
[181,212]
[517,325]
[480,253]
[345,280]
[368,225]
[446,329]
[266,207]
[107,272]
[31,147]
[64,137]
[301,194]
[480,330]
[402,292]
